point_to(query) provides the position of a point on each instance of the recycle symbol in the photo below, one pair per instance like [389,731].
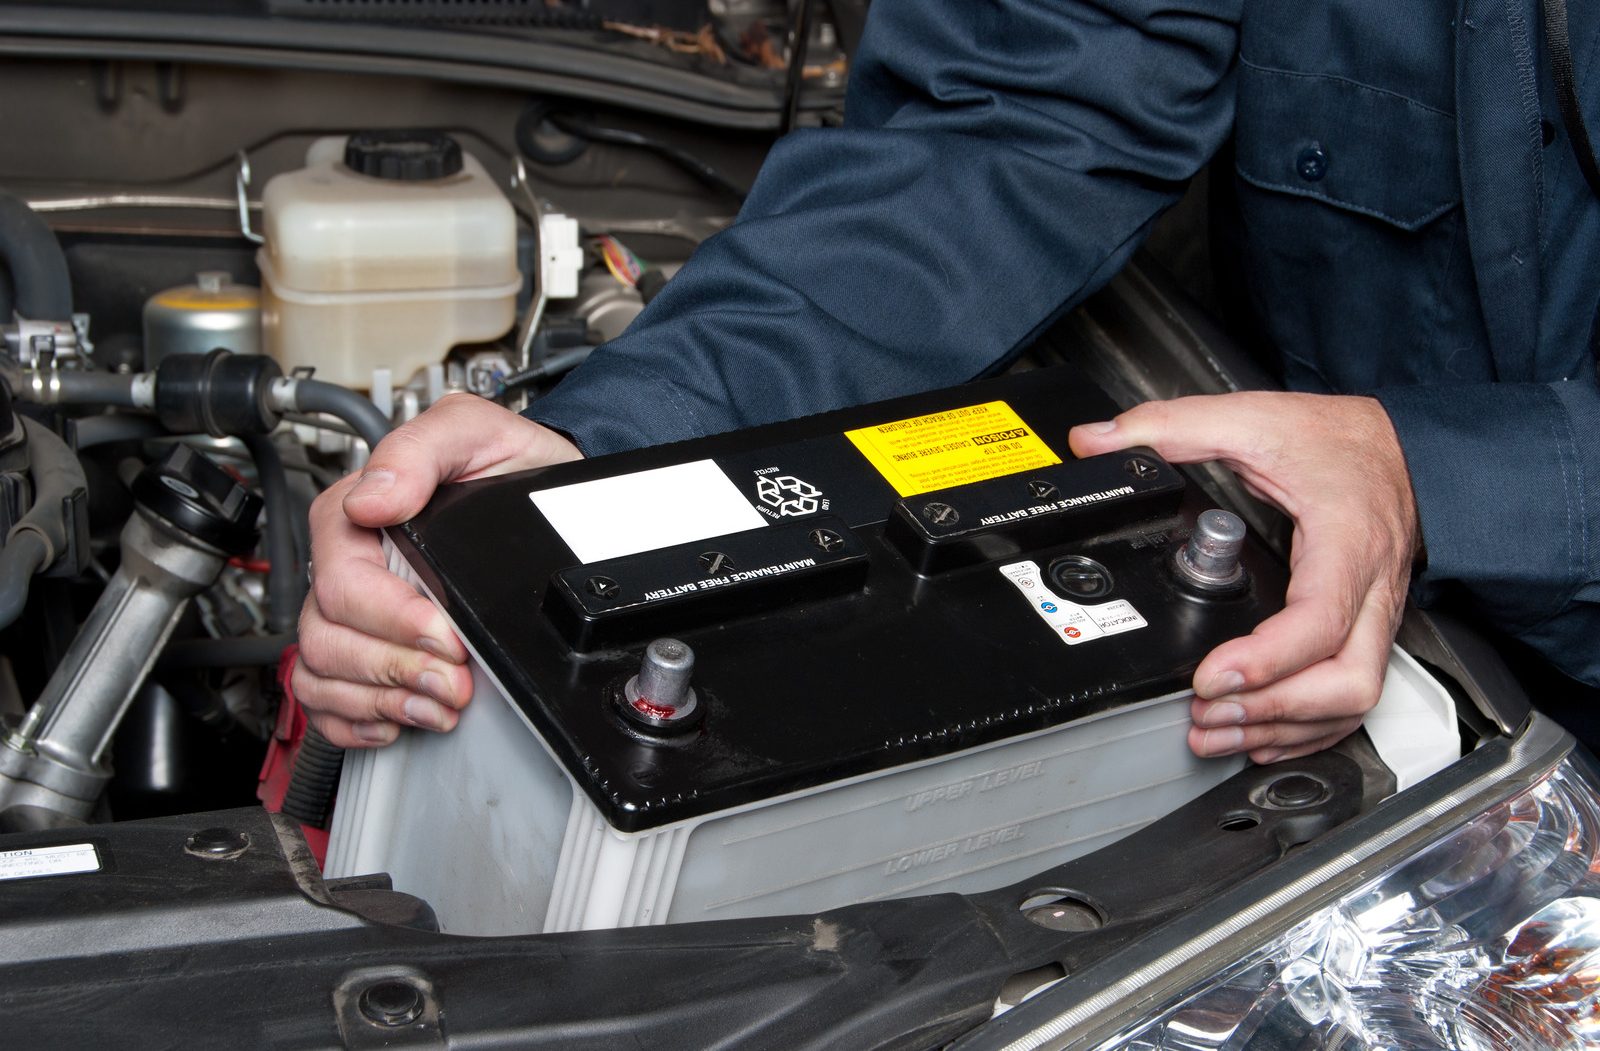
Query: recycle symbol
[788,494]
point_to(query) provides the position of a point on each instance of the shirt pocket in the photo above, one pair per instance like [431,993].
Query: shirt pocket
[1352,146]
[1354,249]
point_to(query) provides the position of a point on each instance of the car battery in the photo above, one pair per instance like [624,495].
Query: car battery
[930,651]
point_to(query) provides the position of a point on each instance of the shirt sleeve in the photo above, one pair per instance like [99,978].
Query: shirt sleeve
[1507,480]
[1000,160]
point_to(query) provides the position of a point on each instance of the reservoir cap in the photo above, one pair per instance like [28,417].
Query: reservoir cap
[403,154]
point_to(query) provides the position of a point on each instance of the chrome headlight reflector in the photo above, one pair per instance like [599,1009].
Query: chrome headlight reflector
[1488,938]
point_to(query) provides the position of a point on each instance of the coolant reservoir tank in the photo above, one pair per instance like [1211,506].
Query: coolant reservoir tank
[384,251]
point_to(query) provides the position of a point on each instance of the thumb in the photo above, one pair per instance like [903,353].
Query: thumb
[1183,430]
[442,444]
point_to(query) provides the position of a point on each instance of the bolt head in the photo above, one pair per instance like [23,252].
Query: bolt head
[1066,915]
[217,844]
[1295,791]
[391,1003]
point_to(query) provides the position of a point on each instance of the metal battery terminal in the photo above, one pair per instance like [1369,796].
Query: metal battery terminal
[1209,562]
[659,697]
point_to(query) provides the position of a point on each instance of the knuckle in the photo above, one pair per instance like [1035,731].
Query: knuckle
[328,505]
[1275,708]
[362,705]
[388,705]
[1259,666]
[1327,629]
[374,706]
[1366,693]
[1150,418]
[406,441]
[328,498]
[1267,735]
[313,659]
[392,670]
[303,681]
[327,591]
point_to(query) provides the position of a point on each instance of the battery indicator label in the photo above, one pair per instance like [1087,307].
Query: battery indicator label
[1072,623]
[953,447]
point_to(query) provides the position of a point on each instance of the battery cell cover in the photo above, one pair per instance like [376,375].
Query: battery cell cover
[933,651]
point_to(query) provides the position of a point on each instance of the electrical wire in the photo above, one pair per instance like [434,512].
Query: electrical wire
[560,362]
[795,78]
[541,112]
[623,264]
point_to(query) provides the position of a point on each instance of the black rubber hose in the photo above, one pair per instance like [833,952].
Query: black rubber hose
[315,780]
[116,427]
[557,363]
[41,286]
[78,387]
[620,137]
[286,575]
[244,651]
[39,536]
[23,556]
[346,404]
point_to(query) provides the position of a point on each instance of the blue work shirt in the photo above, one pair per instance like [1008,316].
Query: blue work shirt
[1402,230]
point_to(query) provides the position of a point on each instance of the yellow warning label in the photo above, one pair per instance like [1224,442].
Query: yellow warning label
[954,447]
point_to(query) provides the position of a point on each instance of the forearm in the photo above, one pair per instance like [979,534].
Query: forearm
[1000,162]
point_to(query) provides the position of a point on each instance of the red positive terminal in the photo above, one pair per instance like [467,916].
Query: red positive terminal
[661,693]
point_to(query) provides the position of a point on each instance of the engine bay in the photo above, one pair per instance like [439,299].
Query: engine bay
[155,202]
[872,660]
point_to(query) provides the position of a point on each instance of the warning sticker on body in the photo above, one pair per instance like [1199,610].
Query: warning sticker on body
[954,447]
[49,861]
[1071,622]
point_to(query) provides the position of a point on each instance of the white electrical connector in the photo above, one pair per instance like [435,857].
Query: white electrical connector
[562,256]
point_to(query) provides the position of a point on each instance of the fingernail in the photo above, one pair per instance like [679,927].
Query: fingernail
[374,483]
[1224,683]
[1104,427]
[1222,713]
[437,648]
[1263,758]
[375,733]
[1225,741]
[424,712]
[435,685]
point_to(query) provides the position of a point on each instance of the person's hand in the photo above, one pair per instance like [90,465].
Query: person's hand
[374,654]
[1305,677]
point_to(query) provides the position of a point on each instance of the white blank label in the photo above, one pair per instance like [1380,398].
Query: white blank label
[612,517]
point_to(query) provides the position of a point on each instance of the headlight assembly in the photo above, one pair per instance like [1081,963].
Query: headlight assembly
[1463,915]
[1487,939]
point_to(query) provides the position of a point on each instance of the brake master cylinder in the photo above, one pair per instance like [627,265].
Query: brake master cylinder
[384,251]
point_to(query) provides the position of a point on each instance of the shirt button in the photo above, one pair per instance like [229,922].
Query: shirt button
[1312,164]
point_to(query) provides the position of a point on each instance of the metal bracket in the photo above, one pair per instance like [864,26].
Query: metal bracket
[241,186]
